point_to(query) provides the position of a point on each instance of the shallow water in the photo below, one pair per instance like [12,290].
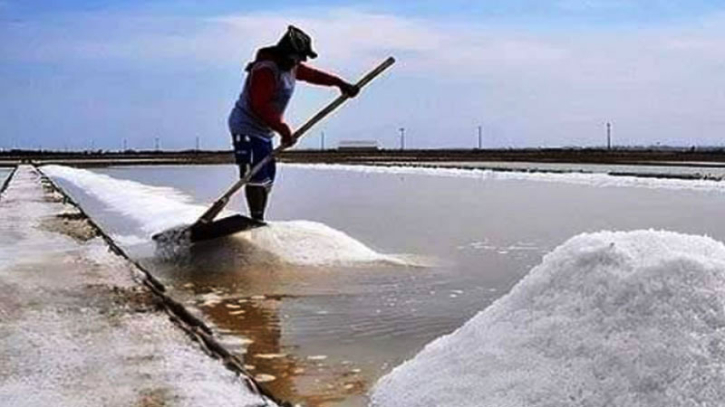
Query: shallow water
[325,333]
[4,174]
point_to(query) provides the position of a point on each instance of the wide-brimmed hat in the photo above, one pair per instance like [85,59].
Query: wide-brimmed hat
[296,41]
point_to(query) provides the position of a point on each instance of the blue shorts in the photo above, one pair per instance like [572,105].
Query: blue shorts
[248,151]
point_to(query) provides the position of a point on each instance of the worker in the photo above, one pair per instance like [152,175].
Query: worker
[259,111]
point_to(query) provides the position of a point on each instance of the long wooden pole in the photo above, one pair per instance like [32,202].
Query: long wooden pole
[222,202]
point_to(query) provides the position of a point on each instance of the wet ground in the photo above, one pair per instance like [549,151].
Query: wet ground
[323,334]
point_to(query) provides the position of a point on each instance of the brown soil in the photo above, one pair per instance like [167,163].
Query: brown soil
[73,224]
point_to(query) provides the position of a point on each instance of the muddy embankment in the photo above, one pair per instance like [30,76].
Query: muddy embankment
[618,156]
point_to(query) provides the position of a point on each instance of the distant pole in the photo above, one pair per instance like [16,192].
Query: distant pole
[402,138]
[609,136]
[157,143]
[480,137]
[322,140]
[197,143]
[125,145]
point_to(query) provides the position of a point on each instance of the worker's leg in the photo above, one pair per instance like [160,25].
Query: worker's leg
[250,150]
[256,201]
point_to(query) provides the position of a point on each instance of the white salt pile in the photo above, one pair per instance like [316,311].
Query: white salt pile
[310,243]
[168,211]
[154,208]
[607,319]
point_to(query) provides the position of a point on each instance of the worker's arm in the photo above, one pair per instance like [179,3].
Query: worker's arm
[316,77]
[262,87]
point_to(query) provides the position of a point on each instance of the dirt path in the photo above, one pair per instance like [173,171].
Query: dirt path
[76,327]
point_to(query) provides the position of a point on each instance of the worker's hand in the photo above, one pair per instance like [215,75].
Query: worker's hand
[286,134]
[288,141]
[348,89]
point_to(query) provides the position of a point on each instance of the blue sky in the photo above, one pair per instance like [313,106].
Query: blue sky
[533,73]
[546,12]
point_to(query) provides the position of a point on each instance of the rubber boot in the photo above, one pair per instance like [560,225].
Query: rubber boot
[256,201]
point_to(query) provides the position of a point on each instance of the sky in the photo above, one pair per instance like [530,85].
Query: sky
[102,74]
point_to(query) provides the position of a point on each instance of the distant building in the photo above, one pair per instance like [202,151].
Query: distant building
[358,145]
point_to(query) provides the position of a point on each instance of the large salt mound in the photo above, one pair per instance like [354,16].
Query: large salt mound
[607,319]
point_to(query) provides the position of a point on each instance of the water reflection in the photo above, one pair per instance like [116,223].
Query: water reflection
[251,325]
[312,379]
[315,335]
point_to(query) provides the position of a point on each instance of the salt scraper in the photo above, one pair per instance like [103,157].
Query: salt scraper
[206,228]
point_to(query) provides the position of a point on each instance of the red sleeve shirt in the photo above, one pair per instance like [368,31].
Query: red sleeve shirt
[263,86]
[316,77]
[261,92]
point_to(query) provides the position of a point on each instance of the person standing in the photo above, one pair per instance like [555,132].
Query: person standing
[259,111]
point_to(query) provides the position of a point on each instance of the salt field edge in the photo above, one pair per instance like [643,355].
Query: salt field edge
[197,329]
